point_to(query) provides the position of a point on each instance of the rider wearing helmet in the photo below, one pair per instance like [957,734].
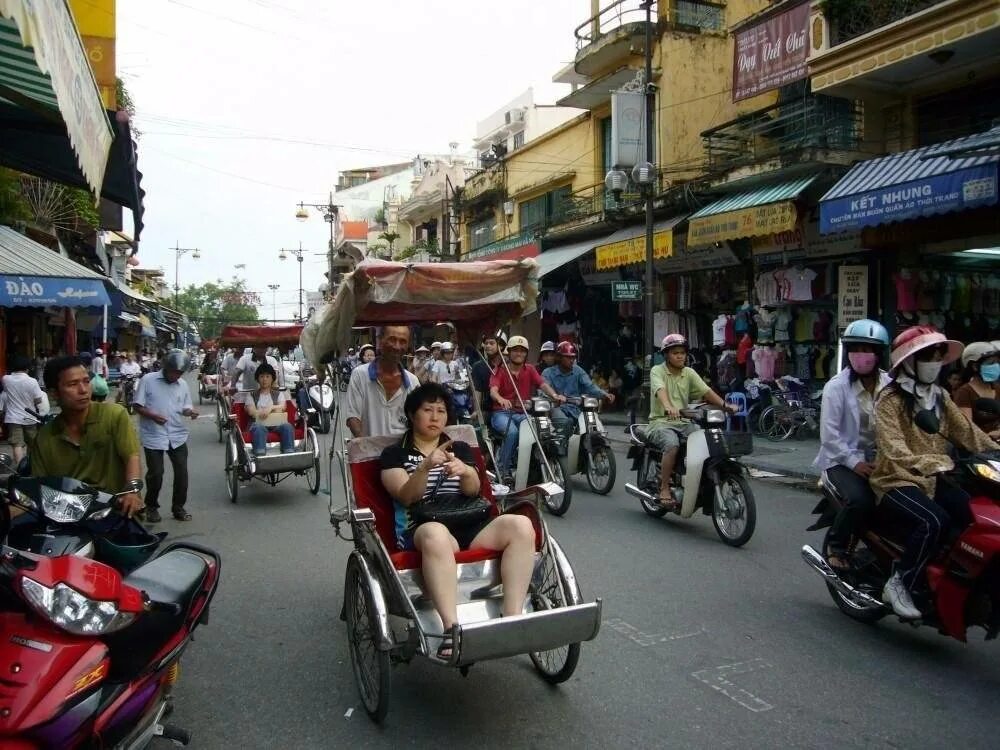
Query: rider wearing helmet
[445,369]
[510,386]
[672,385]
[161,399]
[847,431]
[571,380]
[982,372]
[547,355]
[910,460]
[366,354]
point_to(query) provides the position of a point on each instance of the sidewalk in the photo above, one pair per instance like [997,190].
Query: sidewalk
[789,458]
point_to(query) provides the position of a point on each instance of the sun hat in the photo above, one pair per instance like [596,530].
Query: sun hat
[918,338]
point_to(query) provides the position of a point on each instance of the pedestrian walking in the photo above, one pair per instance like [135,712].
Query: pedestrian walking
[21,393]
[162,399]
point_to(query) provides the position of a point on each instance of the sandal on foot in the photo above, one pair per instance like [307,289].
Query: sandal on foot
[838,560]
[181,515]
[447,648]
[668,502]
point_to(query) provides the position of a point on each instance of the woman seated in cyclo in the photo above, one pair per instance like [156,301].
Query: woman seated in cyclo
[426,464]
[266,406]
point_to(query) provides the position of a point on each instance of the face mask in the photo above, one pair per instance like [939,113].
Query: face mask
[990,373]
[862,362]
[927,372]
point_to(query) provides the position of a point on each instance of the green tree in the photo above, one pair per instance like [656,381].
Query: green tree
[216,304]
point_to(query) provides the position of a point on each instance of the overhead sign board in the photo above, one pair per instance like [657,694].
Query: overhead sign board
[771,53]
[626,291]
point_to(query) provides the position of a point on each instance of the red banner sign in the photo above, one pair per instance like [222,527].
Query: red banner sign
[771,53]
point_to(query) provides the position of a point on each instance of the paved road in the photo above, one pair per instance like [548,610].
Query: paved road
[702,645]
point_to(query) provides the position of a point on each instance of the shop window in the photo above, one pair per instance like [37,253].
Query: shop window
[482,232]
[959,112]
[545,210]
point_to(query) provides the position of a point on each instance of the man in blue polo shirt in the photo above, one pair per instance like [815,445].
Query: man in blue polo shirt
[567,378]
[376,392]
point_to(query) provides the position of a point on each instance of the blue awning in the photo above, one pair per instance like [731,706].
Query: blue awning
[909,185]
[44,291]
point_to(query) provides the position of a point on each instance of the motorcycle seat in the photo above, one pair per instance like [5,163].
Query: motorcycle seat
[640,433]
[174,577]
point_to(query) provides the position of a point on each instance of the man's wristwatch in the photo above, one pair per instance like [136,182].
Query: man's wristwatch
[134,486]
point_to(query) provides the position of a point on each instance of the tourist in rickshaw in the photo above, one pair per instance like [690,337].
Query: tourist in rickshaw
[266,406]
[427,464]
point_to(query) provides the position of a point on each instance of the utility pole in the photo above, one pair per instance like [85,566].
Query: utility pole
[178,252]
[282,254]
[274,304]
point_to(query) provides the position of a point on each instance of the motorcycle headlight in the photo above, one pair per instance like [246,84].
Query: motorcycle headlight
[990,471]
[589,402]
[540,406]
[715,416]
[75,613]
[544,425]
[64,507]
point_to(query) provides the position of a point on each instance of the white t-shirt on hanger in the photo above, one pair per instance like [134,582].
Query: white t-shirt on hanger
[719,330]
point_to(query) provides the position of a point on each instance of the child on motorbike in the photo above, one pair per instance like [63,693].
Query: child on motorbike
[847,431]
[907,479]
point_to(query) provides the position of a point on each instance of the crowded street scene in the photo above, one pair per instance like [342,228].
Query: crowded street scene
[615,373]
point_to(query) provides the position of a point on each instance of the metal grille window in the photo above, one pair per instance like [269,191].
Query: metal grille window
[701,15]
[482,232]
[519,139]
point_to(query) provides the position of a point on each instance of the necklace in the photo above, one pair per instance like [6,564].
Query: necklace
[431,446]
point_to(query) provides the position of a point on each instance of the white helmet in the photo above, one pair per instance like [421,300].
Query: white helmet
[548,346]
[520,341]
[435,345]
[977,350]
[99,352]
[447,346]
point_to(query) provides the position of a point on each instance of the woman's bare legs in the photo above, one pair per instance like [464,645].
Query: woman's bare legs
[514,536]
[437,549]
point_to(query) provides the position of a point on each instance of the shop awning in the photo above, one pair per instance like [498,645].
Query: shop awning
[31,275]
[910,185]
[129,318]
[755,213]
[132,293]
[557,257]
[628,245]
[44,69]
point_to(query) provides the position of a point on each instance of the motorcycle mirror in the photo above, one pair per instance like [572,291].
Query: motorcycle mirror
[989,406]
[927,420]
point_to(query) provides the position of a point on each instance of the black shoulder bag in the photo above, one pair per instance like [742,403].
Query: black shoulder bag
[454,511]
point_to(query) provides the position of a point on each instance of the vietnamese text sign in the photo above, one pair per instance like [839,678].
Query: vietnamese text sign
[633,250]
[746,222]
[626,291]
[771,53]
[852,294]
[43,291]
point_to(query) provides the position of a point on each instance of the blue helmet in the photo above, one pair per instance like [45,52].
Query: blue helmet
[866,332]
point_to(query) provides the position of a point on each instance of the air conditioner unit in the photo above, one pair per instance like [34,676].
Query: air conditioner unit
[513,115]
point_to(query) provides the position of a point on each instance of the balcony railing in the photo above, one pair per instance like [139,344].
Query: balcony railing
[708,16]
[852,18]
[614,16]
[813,122]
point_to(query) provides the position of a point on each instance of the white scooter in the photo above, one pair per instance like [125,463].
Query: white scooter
[588,448]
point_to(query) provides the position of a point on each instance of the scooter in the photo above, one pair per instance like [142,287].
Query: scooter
[343,376]
[588,448]
[127,385]
[91,658]
[707,475]
[962,580]
[461,397]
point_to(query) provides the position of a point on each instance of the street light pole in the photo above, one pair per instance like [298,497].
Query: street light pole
[650,191]
[178,252]
[331,214]
[298,254]
[274,304]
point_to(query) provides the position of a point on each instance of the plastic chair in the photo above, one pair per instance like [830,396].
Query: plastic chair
[740,401]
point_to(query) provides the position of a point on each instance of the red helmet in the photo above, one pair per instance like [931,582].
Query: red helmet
[566,349]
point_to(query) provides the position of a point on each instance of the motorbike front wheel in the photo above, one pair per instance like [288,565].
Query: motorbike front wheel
[324,421]
[560,475]
[734,512]
[601,469]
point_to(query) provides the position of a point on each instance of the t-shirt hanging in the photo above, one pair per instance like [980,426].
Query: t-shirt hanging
[766,287]
[763,359]
[719,330]
[800,283]
[906,300]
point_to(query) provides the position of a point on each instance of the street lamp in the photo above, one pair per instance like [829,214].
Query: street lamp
[274,305]
[283,255]
[178,252]
[644,174]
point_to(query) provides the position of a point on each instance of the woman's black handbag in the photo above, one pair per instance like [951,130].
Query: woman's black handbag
[454,511]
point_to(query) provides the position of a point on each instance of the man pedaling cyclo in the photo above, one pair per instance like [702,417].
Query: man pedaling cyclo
[673,386]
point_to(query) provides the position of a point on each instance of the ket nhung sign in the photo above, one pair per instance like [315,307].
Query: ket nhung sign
[771,53]
[852,295]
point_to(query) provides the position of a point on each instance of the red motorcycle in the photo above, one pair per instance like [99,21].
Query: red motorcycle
[89,658]
[963,580]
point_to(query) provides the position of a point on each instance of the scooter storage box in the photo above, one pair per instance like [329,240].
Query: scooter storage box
[739,443]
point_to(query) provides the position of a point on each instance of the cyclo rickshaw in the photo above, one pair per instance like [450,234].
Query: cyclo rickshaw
[390,619]
[234,420]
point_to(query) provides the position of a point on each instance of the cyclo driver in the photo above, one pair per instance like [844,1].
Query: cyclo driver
[568,379]
[672,386]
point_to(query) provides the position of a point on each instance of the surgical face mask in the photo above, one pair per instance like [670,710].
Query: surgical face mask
[990,373]
[863,362]
[927,372]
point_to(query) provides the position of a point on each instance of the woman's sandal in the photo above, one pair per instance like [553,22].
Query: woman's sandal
[447,648]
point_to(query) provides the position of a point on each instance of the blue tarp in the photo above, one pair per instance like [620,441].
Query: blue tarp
[43,291]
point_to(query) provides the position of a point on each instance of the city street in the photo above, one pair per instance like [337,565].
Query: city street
[701,645]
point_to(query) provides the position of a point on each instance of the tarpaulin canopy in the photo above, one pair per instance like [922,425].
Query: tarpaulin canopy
[246,335]
[476,297]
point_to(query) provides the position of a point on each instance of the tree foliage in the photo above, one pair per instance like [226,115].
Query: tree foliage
[216,304]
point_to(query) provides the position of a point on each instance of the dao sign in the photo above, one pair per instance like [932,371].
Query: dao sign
[43,291]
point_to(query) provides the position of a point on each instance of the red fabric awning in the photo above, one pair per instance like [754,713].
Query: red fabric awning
[237,336]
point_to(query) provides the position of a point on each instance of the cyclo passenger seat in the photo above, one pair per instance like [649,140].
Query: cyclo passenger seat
[244,421]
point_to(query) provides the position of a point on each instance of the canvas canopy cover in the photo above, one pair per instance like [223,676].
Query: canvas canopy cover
[243,336]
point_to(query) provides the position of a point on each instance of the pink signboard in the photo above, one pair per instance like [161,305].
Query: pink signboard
[771,53]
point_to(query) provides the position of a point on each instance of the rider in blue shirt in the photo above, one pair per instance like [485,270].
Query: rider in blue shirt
[568,379]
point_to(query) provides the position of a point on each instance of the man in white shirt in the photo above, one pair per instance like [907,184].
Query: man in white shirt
[445,369]
[20,393]
[162,400]
[242,377]
[97,365]
[129,366]
[376,392]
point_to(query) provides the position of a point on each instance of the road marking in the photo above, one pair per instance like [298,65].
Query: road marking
[717,679]
[648,639]
[347,715]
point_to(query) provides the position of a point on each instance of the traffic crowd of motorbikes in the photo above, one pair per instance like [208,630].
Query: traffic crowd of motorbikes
[98,611]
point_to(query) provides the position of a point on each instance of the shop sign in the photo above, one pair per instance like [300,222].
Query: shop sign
[705,258]
[511,248]
[965,189]
[40,291]
[852,294]
[625,252]
[626,291]
[797,244]
[587,265]
[745,222]
[627,121]
[771,54]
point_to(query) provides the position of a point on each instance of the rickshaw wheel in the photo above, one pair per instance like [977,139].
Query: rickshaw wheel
[232,470]
[548,591]
[312,474]
[371,666]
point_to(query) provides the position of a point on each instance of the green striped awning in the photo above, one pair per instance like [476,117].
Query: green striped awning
[20,76]
[783,191]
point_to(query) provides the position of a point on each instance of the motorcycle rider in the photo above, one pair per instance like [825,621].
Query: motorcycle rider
[445,369]
[909,460]
[428,371]
[546,356]
[509,387]
[672,386]
[569,379]
[982,371]
[847,431]
[366,354]
[483,370]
